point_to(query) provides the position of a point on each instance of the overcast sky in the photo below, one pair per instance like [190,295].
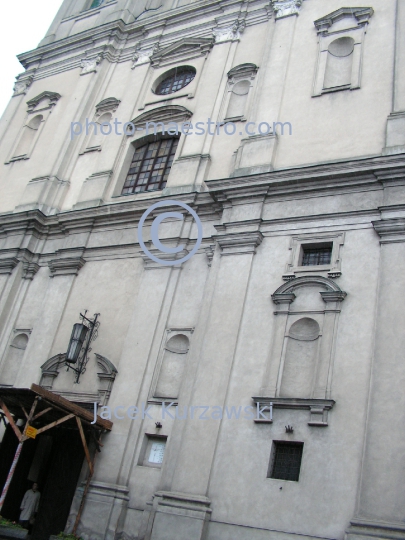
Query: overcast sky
[22,26]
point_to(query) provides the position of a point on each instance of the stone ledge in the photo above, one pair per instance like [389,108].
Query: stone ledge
[375,529]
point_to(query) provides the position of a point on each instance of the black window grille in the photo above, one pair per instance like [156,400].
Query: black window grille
[150,166]
[286,462]
[314,256]
[176,81]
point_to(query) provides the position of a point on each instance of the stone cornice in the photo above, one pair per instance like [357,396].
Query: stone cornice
[116,40]
[243,236]
[361,173]
[66,266]
[390,230]
[7,265]
[30,269]
[239,243]
[334,296]
[295,403]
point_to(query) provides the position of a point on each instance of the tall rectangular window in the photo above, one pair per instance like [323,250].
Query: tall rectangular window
[150,166]
[285,463]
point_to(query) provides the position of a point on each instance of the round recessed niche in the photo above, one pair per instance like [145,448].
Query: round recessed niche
[342,46]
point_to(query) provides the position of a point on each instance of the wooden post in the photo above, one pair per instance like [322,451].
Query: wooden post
[86,489]
[10,474]
[21,439]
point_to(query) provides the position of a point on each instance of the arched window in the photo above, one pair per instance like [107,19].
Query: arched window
[172,369]
[28,136]
[150,166]
[339,63]
[175,80]
[13,359]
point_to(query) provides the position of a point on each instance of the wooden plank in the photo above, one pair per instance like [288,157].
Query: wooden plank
[86,450]
[68,406]
[56,423]
[42,412]
[23,409]
[11,420]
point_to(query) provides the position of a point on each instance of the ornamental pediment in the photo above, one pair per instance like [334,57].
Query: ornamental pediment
[181,50]
[337,19]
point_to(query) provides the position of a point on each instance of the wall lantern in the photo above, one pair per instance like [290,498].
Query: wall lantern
[77,338]
[79,345]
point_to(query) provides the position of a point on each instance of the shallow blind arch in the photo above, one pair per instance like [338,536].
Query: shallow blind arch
[13,359]
[28,136]
[339,63]
[172,368]
[300,359]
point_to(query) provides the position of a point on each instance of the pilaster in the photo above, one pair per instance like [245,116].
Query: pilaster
[395,134]
[380,515]
[182,512]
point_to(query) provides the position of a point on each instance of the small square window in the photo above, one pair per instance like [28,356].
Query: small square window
[316,255]
[285,463]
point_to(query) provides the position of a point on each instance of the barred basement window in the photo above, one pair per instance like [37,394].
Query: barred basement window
[285,463]
[315,256]
[178,79]
[150,166]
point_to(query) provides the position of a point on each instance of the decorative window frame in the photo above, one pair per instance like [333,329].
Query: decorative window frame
[326,34]
[106,377]
[169,333]
[108,105]
[243,72]
[332,270]
[32,111]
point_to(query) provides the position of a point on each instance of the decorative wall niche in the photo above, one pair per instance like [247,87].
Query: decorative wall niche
[239,92]
[341,37]
[302,340]
[300,365]
[33,125]
[171,364]
[14,357]
[98,128]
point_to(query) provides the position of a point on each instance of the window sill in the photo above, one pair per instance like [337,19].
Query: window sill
[18,158]
[332,273]
[318,408]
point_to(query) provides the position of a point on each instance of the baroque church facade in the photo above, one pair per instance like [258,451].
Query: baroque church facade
[256,388]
